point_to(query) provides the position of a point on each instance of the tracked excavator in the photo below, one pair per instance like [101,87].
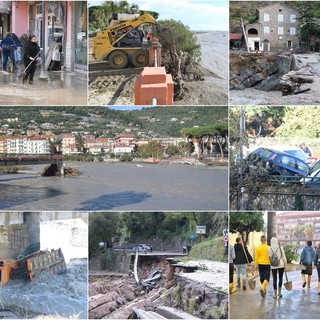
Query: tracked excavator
[124,41]
[26,267]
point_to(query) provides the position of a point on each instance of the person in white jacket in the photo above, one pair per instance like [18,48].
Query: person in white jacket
[276,249]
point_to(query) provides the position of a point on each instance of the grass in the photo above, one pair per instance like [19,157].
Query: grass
[212,249]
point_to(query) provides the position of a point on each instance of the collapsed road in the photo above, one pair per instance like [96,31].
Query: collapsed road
[160,285]
[274,78]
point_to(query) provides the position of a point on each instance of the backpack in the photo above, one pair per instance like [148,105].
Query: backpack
[274,260]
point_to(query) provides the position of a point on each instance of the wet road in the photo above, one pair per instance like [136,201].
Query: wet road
[60,89]
[104,186]
[296,304]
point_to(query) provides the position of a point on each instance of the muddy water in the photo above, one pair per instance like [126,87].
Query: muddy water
[104,186]
[71,89]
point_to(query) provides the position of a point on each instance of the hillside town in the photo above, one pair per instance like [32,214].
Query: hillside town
[112,141]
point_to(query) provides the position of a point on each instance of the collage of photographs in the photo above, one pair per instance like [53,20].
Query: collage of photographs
[112,114]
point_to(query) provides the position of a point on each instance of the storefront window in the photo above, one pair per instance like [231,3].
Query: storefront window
[56,15]
[80,33]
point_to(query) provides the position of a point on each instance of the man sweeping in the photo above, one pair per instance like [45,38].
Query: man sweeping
[262,261]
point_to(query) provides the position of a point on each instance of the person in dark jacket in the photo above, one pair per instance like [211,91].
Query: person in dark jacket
[8,46]
[31,51]
[306,259]
[242,258]
[17,51]
[317,265]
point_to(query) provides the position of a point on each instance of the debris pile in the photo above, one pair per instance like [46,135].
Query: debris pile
[53,170]
[258,70]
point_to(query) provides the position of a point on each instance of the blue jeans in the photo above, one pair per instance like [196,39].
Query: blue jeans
[6,54]
[241,269]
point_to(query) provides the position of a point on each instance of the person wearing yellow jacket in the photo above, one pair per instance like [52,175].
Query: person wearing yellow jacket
[262,261]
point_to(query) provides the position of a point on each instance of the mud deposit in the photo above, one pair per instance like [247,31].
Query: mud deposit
[213,90]
[113,296]
[63,296]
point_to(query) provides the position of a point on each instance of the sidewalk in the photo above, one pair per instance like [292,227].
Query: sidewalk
[61,88]
[296,304]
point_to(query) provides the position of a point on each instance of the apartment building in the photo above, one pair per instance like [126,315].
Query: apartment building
[276,29]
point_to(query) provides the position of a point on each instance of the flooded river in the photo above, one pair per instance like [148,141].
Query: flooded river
[121,186]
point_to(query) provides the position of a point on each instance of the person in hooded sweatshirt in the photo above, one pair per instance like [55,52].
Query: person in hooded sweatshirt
[275,248]
[317,265]
[306,259]
[241,260]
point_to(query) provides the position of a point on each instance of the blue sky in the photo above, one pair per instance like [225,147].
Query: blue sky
[197,14]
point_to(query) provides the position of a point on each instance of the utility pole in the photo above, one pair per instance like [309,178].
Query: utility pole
[245,35]
[43,74]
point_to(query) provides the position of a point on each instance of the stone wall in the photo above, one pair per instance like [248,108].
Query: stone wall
[285,198]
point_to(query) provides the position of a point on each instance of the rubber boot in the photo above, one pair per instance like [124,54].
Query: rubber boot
[275,294]
[232,289]
[319,287]
[238,283]
[304,280]
[263,288]
[309,281]
[244,286]
[279,292]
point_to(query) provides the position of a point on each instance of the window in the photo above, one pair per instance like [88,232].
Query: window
[292,31]
[293,18]
[280,17]
[266,30]
[266,17]
[280,30]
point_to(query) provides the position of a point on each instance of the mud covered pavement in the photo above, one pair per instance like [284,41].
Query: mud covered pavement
[63,296]
[113,296]
[67,88]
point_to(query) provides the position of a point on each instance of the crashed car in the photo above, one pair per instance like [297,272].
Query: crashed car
[278,163]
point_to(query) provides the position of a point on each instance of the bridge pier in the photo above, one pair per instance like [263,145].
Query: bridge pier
[18,233]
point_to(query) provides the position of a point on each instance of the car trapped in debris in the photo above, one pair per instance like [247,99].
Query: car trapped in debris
[279,163]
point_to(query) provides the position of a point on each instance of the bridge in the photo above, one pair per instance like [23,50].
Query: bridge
[7,159]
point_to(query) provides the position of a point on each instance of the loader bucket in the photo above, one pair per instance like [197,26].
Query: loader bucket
[49,261]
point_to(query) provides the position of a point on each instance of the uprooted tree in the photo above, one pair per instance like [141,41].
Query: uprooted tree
[181,59]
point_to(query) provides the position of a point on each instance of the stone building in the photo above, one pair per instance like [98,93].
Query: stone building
[276,28]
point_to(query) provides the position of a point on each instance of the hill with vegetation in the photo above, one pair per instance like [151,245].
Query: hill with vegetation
[170,229]
[165,121]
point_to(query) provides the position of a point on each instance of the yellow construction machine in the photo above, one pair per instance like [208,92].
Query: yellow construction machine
[125,41]
[27,267]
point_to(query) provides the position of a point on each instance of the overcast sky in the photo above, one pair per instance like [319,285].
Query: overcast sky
[197,14]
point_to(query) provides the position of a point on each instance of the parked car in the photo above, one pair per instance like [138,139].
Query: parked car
[141,248]
[279,163]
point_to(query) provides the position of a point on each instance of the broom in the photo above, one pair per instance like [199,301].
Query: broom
[23,73]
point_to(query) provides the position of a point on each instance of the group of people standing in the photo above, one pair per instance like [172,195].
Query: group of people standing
[11,48]
[270,260]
